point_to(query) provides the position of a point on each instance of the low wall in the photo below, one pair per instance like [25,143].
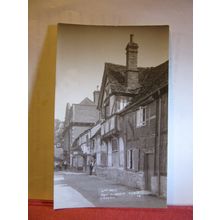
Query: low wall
[124,177]
[133,179]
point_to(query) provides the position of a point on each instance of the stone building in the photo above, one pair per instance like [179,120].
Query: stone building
[133,106]
[78,118]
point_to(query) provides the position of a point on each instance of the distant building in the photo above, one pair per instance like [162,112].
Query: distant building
[78,118]
[58,133]
[87,147]
[58,141]
[95,144]
[81,151]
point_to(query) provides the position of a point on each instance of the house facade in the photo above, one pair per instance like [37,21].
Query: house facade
[133,106]
[144,126]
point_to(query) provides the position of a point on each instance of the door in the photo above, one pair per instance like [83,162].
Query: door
[148,170]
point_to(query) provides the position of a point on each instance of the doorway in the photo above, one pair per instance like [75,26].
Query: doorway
[148,169]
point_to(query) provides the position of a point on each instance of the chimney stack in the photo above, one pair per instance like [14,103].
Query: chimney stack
[131,64]
[96,96]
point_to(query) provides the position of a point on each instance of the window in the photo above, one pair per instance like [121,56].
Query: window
[145,114]
[93,148]
[93,143]
[133,159]
[87,139]
[114,144]
[107,111]
[141,116]
[121,103]
[129,159]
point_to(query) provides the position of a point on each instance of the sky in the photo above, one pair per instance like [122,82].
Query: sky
[83,50]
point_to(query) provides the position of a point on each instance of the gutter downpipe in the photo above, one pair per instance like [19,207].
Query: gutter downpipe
[158,139]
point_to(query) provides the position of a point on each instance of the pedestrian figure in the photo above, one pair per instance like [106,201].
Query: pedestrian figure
[94,166]
[91,165]
[65,165]
[60,165]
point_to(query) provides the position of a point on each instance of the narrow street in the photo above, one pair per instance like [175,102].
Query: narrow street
[81,190]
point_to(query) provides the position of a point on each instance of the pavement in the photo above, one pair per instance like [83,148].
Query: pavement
[73,189]
[67,197]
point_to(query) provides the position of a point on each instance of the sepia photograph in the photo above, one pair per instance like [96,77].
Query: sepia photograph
[111,116]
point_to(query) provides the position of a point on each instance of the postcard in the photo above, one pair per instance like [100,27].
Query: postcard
[111,108]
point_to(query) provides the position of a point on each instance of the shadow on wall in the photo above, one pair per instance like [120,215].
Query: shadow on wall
[41,122]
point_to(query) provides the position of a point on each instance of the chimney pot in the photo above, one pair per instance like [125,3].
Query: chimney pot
[131,38]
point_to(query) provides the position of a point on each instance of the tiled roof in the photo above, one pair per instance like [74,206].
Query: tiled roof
[152,78]
[149,78]
[116,75]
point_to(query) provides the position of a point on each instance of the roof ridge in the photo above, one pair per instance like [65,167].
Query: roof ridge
[87,101]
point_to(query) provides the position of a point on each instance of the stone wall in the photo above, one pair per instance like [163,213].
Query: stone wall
[133,179]
[124,177]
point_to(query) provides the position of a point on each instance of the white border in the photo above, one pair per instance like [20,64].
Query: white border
[206,110]
[14,114]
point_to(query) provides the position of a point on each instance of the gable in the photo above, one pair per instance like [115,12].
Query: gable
[87,101]
[114,77]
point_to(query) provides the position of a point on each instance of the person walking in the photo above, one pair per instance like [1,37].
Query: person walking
[91,165]
[65,165]
[94,167]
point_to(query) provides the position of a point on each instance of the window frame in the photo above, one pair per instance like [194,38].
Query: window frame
[130,159]
[141,116]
